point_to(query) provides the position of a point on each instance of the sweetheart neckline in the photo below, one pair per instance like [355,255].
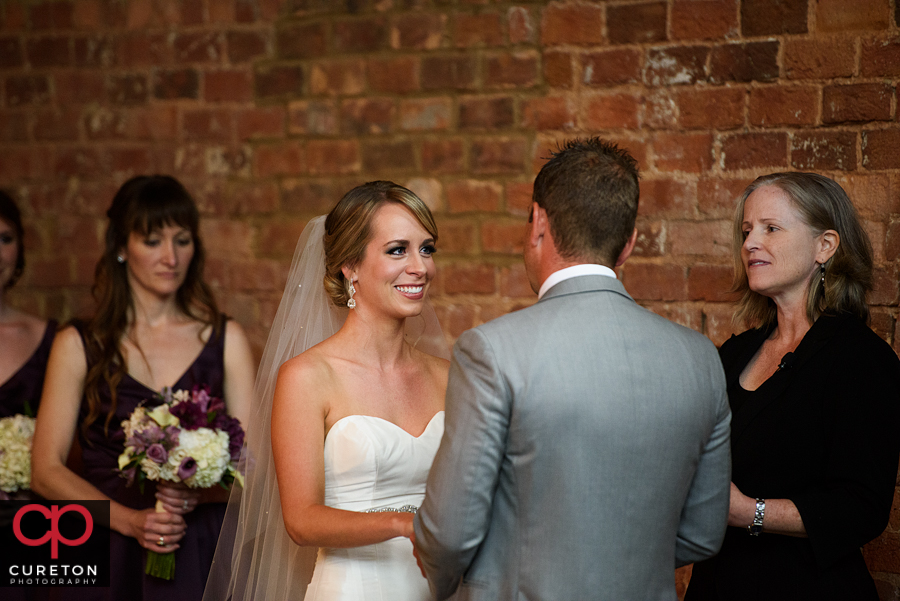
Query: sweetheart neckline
[381,419]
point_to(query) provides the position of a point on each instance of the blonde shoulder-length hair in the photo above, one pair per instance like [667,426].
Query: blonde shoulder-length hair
[823,205]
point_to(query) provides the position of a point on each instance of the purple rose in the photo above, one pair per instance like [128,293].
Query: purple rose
[136,443]
[187,468]
[157,453]
[171,437]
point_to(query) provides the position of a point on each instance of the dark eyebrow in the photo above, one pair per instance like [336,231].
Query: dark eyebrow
[406,242]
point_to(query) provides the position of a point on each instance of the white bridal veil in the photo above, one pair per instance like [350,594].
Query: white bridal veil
[255,559]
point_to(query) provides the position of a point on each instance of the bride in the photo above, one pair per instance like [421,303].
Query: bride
[356,414]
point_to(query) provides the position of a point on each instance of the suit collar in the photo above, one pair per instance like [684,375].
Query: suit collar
[586,283]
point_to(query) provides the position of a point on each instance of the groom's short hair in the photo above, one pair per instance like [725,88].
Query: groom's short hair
[590,191]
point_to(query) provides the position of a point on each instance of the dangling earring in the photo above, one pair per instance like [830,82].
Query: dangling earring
[351,303]
[120,259]
[823,276]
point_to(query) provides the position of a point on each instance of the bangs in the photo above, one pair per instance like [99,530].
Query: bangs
[162,204]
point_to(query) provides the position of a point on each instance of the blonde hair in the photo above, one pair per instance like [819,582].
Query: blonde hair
[823,205]
[348,229]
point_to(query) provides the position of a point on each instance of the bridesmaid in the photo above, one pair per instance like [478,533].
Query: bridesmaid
[24,339]
[156,325]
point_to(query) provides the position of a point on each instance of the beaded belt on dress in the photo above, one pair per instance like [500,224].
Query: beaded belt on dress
[402,509]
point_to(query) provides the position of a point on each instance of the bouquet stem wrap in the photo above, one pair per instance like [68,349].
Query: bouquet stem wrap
[161,565]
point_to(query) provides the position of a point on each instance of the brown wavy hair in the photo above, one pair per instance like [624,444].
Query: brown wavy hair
[823,205]
[9,213]
[348,229]
[142,205]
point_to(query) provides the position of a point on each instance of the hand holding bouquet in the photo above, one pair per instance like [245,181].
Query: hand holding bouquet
[188,439]
[16,433]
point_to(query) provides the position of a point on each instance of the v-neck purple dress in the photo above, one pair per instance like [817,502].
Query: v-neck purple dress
[27,384]
[100,458]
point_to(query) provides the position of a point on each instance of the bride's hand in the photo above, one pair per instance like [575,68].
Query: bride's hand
[405,525]
[177,498]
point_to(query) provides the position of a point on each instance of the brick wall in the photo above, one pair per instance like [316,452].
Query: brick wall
[268,110]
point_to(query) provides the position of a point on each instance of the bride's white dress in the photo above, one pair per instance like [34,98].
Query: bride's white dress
[371,463]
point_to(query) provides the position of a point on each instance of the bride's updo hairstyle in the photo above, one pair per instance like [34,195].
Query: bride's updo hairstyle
[348,230]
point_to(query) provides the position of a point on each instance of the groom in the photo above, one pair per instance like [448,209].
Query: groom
[586,450]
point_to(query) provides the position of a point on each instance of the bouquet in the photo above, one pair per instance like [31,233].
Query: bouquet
[188,439]
[16,433]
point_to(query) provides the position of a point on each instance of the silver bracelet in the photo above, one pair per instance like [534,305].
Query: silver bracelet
[403,509]
[756,527]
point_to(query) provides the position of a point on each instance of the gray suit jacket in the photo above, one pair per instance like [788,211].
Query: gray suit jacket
[585,455]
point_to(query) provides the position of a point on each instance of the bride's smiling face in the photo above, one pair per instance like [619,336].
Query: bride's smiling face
[398,265]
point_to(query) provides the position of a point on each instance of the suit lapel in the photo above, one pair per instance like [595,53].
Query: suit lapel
[821,332]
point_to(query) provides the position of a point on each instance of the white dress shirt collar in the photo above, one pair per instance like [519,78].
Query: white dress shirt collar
[573,272]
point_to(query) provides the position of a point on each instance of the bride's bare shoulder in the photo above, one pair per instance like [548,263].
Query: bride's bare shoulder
[311,367]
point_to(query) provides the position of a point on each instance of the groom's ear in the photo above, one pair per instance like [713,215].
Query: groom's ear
[540,225]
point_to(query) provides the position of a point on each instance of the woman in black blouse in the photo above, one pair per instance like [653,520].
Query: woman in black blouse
[815,396]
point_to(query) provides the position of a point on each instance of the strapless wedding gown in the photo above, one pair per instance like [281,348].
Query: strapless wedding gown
[371,463]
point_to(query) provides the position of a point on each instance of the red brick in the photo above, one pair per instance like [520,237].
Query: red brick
[692,153]
[502,237]
[338,157]
[705,238]
[205,124]
[128,162]
[857,102]
[256,274]
[227,86]
[443,156]
[227,237]
[892,243]
[13,126]
[548,112]
[838,15]
[517,69]
[457,237]
[521,25]
[569,23]
[754,151]
[58,124]
[482,112]
[27,89]
[425,114]
[54,51]
[25,164]
[819,59]
[279,80]
[469,279]
[751,61]
[397,155]
[877,232]
[666,198]
[650,240]
[221,12]
[498,155]
[93,51]
[305,40]
[764,17]
[658,110]
[44,273]
[880,149]
[79,86]
[192,12]
[393,75]
[313,118]
[367,116]
[200,47]
[51,15]
[142,49]
[477,30]
[245,45]
[246,11]
[139,14]
[676,65]
[360,35]
[636,23]
[558,71]
[455,320]
[718,322]
[449,72]
[703,19]
[473,195]
[80,162]
[179,83]
[823,151]
[514,282]
[260,122]
[611,67]
[309,196]
[255,199]
[880,58]
[779,105]
[276,159]
[649,281]
[337,77]
[718,197]
[87,14]
[11,55]
[885,291]
[153,123]
[711,108]
[611,111]
[430,190]
[419,31]
[709,282]
[871,194]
